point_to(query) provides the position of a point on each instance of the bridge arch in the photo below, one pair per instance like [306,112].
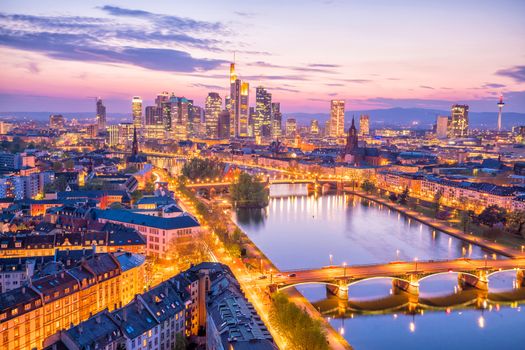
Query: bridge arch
[286,286]
[515,270]
[447,273]
[376,278]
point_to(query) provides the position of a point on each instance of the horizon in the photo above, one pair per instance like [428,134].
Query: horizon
[56,58]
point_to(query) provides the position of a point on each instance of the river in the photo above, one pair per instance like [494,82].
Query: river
[299,231]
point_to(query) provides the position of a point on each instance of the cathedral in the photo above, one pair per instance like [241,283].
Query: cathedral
[358,156]
[135,159]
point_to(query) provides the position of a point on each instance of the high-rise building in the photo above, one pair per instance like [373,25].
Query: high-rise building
[57,121]
[212,109]
[277,119]
[153,115]
[224,125]
[364,125]
[337,118]
[263,111]
[194,119]
[113,135]
[500,111]
[125,134]
[92,130]
[442,122]
[238,105]
[459,121]
[291,127]
[101,115]
[136,111]
[161,98]
[314,127]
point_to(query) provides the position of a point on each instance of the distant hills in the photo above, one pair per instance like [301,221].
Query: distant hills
[419,118]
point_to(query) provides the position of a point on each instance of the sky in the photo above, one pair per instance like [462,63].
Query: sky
[58,55]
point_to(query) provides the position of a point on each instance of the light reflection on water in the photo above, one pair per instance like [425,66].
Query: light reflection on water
[302,231]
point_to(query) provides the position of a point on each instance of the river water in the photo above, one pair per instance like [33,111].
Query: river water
[299,231]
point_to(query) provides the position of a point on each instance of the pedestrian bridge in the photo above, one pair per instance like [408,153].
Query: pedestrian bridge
[406,276]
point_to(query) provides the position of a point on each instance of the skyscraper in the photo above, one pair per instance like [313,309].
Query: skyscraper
[459,121]
[153,115]
[212,109]
[337,118]
[238,105]
[56,121]
[224,125]
[263,111]
[291,127]
[101,115]
[442,127]
[364,125]
[500,111]
[277,119]
[314,127]
[136,111]
[244,109]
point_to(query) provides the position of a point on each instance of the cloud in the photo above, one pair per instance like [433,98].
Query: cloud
[357,81]
[323,65]
[274,77]
[245,14]
[209,86]
[179,23]
[426,87]
[101,40]
[517,73]
[308,68]
[493,86]
[282,89]
[334,84]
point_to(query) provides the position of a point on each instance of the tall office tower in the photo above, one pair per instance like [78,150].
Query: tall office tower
[277,120]
[195,120]
[101,115]
[136,111]
[337,118]
[244,109]
[92,130]
[364,125]
[153,115]
[223,128]
[252,117]
[442,126]
[291,127]
[125,133]
[459,121]
[263,110]
[500,111]
[212,109]
[56,121]
[314,127]
[180,112]
[162,98]
[113,135]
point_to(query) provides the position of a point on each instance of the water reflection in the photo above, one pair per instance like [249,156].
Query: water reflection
[304,231]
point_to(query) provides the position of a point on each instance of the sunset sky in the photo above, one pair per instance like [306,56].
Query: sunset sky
[55,55]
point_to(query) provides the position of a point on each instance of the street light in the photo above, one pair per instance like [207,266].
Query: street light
[415,259]
[331,259]
[485,261]
[344,269]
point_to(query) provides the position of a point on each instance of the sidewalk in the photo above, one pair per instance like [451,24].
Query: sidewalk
[493,246]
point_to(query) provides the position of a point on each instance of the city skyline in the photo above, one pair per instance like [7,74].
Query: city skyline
[50,56]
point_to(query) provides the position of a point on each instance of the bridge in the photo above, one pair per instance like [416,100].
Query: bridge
[406,276]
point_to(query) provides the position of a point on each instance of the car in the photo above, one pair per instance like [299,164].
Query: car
[292,275]
[279,275]
[263,277]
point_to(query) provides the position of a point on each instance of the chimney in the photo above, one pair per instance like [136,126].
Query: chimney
[125,314]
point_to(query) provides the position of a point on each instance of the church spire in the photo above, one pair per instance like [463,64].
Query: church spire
[135,146]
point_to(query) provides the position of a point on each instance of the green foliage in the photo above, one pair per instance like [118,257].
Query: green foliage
[466,218]
[149,186]
[248,192]
[116,205]
[403,197]
[197,168]
[58,166]
[368,186]
[136,195]
[58,185]
[515,221]
[15,146]
[131,169]
[181,342]
[492,215]
[296,326]
[69,164]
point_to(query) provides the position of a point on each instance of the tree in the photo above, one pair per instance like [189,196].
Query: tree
[136,195]
[437,200]
[180,342]
[197,168]
[248,192]
[368,186]
[69,164]
[58,185]
[466,219]
[515,221]
[403,197]
[393,197]
[492,215]
[58,167]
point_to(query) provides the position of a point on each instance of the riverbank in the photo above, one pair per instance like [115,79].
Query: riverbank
[436,224]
